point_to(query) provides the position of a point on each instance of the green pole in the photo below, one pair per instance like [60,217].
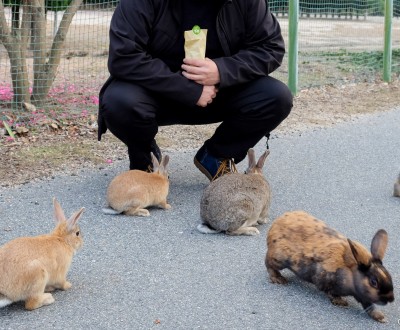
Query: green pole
[293,45]
[387,51]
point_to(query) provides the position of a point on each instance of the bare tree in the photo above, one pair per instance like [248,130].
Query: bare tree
[15,38]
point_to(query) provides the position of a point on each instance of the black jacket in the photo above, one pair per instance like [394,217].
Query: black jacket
[249,34]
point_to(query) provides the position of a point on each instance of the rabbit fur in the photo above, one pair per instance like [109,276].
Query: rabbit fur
[396,188]
[336,265]
[131,192]
[32,267]
[236,202]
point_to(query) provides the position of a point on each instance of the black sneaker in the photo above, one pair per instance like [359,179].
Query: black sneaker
[140,160]
[156,150]
[211,166]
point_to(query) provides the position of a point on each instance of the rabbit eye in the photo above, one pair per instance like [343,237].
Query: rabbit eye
[77,233]
[374,283]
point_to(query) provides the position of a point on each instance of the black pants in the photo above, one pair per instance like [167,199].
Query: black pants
[247,113]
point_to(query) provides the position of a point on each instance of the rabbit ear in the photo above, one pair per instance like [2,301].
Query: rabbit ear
[74,218]
[58,211]
[163,166]
[379,244]
[165,161]
[156,164]
[252,158]
[261,161]
[360,253]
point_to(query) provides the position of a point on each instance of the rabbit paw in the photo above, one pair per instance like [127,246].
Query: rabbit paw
[165,206]
[262,221]
[49,288]
[248,231]
[251,231]
[143,213]
[39,301]
[276,277]
[66,285]
[47,299]
[377,315]
[138,212]
[338,301]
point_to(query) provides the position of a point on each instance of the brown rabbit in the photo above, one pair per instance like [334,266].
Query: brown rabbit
[31,266]
[396,188]
[337,265]
[236,202]
[132,191]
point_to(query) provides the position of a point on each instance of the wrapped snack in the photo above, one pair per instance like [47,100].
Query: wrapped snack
[195,43]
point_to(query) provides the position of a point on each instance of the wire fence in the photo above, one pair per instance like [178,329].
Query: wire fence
[339,42]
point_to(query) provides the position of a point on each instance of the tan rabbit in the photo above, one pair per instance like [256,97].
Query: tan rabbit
[337,265]
[31,266]
[396,188]
[236,202]
[131,192]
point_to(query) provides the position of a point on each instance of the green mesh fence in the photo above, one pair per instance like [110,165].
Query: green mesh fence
[29,93]
[339,42]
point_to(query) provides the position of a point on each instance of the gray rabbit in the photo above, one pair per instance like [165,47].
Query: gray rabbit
[236,202]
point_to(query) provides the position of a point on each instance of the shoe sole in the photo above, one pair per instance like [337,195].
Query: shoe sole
[202,169]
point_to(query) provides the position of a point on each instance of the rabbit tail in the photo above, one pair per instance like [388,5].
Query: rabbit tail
[4,301]
[205,229]
[109,210]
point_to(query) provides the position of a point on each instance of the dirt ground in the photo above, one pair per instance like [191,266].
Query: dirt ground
[49,150]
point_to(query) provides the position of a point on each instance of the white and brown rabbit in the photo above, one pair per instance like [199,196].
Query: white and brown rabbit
[131,192]
[31,267]
[236,202]
[337,265]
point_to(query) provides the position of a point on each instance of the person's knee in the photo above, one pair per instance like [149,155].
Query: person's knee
[283,100]
[127,102]
[117,99]
[273,98]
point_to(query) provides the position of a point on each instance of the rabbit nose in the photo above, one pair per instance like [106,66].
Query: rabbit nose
[387,298]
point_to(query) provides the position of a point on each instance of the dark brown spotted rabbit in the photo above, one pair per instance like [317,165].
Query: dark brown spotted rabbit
[337,265]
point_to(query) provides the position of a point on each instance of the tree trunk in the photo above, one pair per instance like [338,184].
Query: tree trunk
[39,48]
[14,41]
[15,16]
[46,69]
[19,76]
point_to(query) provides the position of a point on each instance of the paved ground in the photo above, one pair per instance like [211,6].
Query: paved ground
[160,273]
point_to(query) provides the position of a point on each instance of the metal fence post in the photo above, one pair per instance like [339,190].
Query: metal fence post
[387,51]
[293,45]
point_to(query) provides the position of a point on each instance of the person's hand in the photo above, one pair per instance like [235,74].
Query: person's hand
[204,72]
[207,96]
